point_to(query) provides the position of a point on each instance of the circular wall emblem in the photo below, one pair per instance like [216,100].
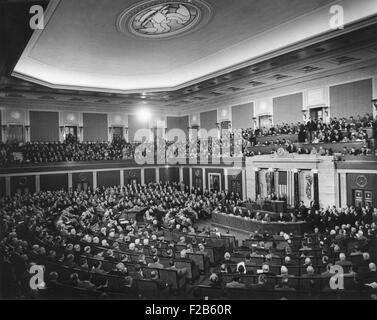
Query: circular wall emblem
[362,181]
[22,181]
[83,177]
[156,19]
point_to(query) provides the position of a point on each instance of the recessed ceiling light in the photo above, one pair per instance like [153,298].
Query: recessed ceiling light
[143,114]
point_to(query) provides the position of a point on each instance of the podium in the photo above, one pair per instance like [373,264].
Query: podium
[279,206]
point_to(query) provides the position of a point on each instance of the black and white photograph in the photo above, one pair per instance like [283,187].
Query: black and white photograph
[186,154]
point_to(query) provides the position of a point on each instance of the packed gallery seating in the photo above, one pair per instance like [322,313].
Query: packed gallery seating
[346,137]
[147,242]
[316,131]
[69,150]
[343,136]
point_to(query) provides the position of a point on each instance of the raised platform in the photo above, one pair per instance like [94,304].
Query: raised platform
[248,225]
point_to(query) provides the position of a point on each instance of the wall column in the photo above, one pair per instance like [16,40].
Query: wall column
[27,133]
[121,178]
[343,189]
[190,178]
[204,179]
[158,175]
[94,180]
[296,188]
[7,187]
[374,83]
[37,183]
[70,181]
[180,174]
[142,176]
[109,129]
[3,127]
[257,183]
[226,186]
[244,193]
[4,133]
[276,181]
[289,188]
[316,187]
[27,127]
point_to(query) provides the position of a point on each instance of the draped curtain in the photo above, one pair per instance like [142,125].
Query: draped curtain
[15,134]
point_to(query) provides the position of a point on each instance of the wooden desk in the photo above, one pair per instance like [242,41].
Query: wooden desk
[248,225]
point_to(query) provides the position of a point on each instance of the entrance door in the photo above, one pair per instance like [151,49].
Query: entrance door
[82,186]
[362,198]
[235,186]
[118,132]
[71,133]
[133,182]
[15,134]
[265,122]
[214,182]
[316,113]
[198,183]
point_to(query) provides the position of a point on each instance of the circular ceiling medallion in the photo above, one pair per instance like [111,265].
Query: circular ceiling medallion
[162,19]
[362,181]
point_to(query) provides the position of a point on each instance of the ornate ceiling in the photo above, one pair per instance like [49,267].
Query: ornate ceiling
[337,52]
[128,46]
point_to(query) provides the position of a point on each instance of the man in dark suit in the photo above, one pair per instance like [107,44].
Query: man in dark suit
[235,283]
[343,262]
[156,263]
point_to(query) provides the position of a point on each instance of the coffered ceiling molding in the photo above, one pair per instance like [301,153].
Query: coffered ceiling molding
[81,47]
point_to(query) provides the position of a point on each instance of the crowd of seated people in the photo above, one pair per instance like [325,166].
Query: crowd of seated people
[345,238]
[59,227]
[79,238]
[69,150]
[303,149]
[317,131]
[313,132]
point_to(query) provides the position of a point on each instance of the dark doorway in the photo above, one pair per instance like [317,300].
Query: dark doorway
[15,133]
[235,187]
[265,122]
[316,113]
[117,132]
